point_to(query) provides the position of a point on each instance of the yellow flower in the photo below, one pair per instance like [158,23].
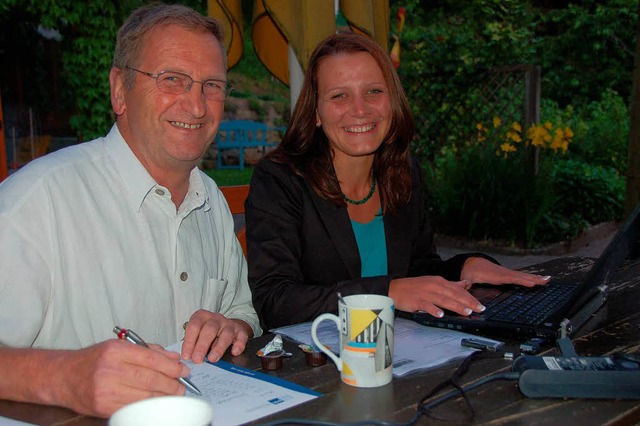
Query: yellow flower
[507,147]
[538,135]
[558,140]
[513,136]
[516,126]
[568,133]
[496,122]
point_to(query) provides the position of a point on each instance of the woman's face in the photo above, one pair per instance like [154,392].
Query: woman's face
[354,108]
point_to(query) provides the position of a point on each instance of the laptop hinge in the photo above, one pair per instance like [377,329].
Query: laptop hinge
[568,326]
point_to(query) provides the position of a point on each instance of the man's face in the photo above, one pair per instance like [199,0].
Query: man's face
[171,132]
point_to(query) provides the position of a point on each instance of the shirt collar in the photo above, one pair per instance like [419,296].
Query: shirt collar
[137,179]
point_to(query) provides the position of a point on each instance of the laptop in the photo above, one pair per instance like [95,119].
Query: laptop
[552,311]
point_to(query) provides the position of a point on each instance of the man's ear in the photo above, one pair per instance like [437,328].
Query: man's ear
[116,81]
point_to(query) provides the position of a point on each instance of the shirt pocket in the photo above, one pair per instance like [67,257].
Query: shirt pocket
[214,295]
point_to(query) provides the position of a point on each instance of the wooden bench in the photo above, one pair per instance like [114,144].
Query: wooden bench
[242,134]
[236,196]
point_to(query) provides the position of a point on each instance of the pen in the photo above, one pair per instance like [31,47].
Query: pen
[484,345]
[131,336]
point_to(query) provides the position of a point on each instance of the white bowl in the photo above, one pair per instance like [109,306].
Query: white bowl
[164,411]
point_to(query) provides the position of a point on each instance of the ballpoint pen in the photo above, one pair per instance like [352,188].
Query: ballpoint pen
[131,336]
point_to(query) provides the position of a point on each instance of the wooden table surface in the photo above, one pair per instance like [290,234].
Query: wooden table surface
[614,328]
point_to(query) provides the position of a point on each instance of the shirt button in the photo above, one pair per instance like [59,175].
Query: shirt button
[184,276]
[159,191]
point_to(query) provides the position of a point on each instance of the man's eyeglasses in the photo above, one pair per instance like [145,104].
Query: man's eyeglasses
[177,83]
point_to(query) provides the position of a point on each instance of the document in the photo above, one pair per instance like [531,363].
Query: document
[4,421]
[416,347]
[240,395]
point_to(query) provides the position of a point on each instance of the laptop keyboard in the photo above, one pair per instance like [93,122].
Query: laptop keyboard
[529,305]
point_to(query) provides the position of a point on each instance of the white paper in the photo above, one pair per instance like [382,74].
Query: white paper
[10,422]
[416,347]
[240,395]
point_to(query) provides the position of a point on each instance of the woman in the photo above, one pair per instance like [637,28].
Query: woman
[338,206]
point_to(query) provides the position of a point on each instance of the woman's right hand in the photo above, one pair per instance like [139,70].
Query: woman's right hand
[432,294]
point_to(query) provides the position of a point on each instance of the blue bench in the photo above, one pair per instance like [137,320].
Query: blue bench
[242,134]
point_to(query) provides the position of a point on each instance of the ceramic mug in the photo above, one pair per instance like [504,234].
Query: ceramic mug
[365,324]
[164,411]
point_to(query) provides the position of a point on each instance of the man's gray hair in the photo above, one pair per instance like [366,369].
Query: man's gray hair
[130,35]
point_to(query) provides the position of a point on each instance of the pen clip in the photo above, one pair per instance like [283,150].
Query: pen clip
[130,334]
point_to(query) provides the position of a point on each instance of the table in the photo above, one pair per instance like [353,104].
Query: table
[614,328]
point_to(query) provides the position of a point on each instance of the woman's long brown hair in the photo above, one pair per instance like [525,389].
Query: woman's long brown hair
[306,148]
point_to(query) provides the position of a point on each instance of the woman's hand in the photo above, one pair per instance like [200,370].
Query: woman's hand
[480,270]
[432,294]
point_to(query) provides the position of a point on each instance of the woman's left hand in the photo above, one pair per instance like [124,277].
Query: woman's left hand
[480,270]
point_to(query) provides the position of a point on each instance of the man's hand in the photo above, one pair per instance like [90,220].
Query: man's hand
[212,333]
[96,380]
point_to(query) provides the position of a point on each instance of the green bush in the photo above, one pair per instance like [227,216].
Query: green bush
[586,192]
[230,177]
[602,132]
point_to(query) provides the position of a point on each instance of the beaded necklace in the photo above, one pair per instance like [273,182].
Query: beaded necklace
[365,199]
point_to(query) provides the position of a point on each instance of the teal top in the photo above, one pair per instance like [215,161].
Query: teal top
[372,246]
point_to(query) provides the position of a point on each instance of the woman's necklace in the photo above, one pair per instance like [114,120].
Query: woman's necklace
[365,199]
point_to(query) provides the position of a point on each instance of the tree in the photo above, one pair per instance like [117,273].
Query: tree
[633,169]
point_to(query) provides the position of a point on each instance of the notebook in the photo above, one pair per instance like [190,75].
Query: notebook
[551,311]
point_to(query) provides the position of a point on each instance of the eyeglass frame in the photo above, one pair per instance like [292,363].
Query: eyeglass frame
[226,92]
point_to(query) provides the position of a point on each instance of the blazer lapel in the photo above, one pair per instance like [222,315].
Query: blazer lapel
[338,225]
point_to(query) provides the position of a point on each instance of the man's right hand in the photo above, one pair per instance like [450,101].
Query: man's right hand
[96,380]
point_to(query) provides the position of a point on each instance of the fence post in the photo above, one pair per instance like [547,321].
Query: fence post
[532,108]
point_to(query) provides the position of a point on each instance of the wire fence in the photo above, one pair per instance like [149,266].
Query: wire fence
[443,118]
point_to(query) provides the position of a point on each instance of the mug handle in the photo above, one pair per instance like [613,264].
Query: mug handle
[323,348]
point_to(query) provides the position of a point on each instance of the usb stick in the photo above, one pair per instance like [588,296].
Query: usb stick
[484,345]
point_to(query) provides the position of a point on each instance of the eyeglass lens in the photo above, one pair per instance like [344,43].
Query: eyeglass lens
[176,83]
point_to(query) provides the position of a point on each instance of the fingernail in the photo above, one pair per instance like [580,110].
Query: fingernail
[197,357]
[547,278]
[467,311]
[185,371]
[482,308]
[439,314]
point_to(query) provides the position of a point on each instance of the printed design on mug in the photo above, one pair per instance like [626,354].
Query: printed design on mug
[370,336]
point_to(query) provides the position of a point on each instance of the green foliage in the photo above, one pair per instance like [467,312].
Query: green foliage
[450,53]
[447,48]
[587,192]
[602,131]
[229,177]
[486,189]
[89,30]
[480,195]
[586,48]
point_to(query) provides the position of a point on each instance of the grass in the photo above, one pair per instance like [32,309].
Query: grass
[230,177]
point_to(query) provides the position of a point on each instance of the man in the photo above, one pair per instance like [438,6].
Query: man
[125,230]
